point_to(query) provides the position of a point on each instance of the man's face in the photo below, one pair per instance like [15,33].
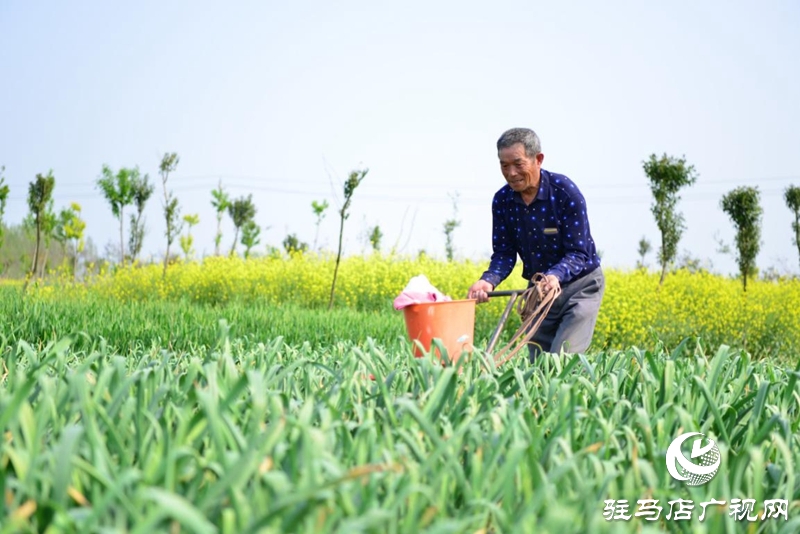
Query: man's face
[521,172]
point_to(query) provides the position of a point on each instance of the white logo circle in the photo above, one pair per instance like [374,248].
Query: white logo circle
[682,468]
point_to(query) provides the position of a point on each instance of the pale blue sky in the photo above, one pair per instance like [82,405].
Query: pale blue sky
[271,97]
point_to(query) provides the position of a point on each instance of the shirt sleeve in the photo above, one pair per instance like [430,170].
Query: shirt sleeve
[504,255]
[575,237]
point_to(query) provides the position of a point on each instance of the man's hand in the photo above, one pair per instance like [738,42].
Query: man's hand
[479,289]
[550,282]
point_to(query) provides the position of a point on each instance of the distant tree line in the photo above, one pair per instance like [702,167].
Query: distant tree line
[667,175]
[48,237]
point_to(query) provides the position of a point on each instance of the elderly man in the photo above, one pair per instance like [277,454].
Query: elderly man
[541,216]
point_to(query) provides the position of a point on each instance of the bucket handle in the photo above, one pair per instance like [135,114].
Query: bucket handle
[505,293]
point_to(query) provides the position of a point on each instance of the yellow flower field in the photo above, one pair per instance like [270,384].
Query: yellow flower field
[635,310]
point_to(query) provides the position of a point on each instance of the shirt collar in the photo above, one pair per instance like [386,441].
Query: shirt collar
[544,188]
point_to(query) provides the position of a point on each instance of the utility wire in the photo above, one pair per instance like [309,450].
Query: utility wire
[627,200]
[212,181]
[688,195]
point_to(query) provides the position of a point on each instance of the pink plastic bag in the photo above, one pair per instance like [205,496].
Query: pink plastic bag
[419,290]
[407,298]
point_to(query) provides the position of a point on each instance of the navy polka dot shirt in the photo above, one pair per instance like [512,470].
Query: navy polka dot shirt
[551,235]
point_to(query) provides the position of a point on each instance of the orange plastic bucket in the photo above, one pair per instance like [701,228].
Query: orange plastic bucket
[452,322]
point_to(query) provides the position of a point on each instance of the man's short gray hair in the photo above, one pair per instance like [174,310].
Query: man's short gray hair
[526,136]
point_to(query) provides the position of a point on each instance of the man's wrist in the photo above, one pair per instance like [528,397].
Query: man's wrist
[490,279]
[556,274]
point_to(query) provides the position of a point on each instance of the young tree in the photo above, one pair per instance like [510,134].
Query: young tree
[60,232]
[73,227]
[118,190]
[250,236]
[142,191]
[792,197]
[375,238]
[742,206]
[40,198]
[172,212]
[220,201]
[449,226]
[667,176]
[3,199]
[241,210]
[188,240]
[319,212]
[644,248]
[49,233]
[349,188]
[293,245]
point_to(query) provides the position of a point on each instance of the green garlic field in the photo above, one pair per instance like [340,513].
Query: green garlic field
[167,415]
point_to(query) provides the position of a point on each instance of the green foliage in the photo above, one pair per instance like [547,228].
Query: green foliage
[762,320]
[4,190]
[449,226]
[40,204]
[142,191]
[118,189]
[241,210]
[792,197]
[71,230]
[743,208]
[319,212]
[692,264]
[293,245]
[187,241]
[175,418]
[375,237]
[172,212]
[250,236]
[18,248]
[667,175]
[220,200]
[353,181]
[644,248]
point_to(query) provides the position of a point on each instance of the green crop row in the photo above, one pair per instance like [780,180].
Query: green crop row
[283,438]
[636,309]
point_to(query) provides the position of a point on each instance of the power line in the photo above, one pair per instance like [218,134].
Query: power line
[690,195]
[262,179]
[704,196]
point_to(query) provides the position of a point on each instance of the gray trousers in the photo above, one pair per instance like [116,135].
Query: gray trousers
[570,323]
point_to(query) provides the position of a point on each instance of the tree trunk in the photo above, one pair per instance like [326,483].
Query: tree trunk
[121,240]
[217,238]
[43,263]
[235,239]
[166,257]
[663,263]
[169,242]
[336,268]
[797,231]
[75,264]
[35,265]
[133,232]
[166,218]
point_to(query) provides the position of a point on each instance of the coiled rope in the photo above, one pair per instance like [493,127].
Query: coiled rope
[533,305]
